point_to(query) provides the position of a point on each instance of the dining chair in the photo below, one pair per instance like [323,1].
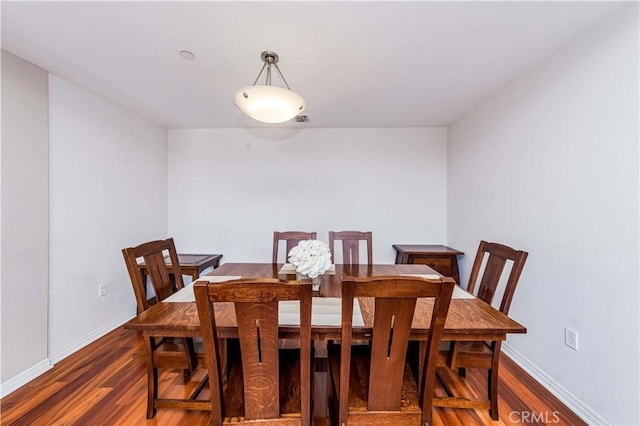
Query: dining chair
[266,385]
[374,384]
[292,238]
[486,355]
[162,352]
[350,246]
[162,280]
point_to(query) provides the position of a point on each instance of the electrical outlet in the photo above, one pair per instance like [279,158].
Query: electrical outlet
[571,338]
[102,290]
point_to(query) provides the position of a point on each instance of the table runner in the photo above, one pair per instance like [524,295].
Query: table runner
[289,268]
[325,311]
[458,292]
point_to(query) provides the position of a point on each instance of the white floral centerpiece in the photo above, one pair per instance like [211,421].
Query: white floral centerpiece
[311,258]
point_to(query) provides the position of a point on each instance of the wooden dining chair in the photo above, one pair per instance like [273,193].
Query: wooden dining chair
[374,384]
[292,238]
[162,279]
[350,246]
[486,355]
[162,352]
[266,386]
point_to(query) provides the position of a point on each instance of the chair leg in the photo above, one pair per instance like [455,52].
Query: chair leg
[191,359]
[452,358]
[186,376]
[492,381]
[426,394]
[427,414]
[223,357]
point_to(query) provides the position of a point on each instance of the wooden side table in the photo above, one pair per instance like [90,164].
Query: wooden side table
[190,264]
[441,258]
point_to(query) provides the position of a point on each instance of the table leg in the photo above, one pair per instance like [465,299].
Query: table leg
[321,379]
[152,378]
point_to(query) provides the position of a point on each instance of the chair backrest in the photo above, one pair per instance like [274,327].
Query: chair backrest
[292,239]
[256,307]
[395,301]
[498,255]
[350,246]
[153,254]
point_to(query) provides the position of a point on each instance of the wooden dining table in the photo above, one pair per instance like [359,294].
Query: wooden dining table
[469,318]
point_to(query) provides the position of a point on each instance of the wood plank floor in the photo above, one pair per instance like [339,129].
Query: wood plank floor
[105,384]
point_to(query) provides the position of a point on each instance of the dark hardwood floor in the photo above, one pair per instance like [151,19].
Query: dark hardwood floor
[105,384]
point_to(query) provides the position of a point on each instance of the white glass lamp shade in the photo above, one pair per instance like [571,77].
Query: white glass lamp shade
[269,104]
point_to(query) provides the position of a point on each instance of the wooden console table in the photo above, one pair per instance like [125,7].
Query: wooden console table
[190,264]
[441,258]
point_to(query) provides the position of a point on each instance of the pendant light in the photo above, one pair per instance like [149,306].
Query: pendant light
[267,103]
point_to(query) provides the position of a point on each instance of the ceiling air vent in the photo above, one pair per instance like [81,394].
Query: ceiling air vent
[301,118]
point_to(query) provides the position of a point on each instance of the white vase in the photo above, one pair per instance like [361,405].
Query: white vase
[315,282]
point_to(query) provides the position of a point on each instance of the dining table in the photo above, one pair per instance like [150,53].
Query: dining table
[469,318]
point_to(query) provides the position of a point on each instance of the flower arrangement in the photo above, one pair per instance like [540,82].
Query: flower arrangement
[311,257]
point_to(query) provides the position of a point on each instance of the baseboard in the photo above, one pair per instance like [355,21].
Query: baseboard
[33,372]
[25,377]
[567,398]
[80,343]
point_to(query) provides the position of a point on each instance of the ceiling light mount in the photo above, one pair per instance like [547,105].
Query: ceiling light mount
[185,54]
[268,103]
[270,57]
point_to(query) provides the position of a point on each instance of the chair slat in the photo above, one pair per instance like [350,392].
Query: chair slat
[258,332]
[491,277]
[391,329]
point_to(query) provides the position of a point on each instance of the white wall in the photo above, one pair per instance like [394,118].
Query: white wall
[550,165]
[25,186]
[108,176]
[229,189]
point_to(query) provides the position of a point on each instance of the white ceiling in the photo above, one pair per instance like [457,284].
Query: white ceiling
[357,64]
